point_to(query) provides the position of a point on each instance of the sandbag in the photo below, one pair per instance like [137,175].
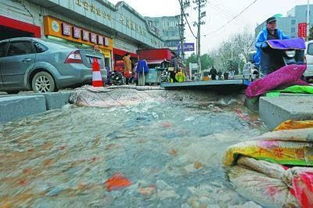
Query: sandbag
[290,124]
[272,185]
[303,89]
[276,168]
[261,188]
[285,147]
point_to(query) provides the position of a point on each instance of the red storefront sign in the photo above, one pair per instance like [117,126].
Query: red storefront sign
[302,30]
[18,25]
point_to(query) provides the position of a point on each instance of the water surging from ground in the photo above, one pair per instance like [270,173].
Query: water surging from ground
[170,150]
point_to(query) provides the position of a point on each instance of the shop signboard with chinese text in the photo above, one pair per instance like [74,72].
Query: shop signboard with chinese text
[58,28]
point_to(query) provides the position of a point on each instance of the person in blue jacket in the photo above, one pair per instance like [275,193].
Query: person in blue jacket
[261,59]
[141,70]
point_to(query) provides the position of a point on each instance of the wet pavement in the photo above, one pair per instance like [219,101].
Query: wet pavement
[168,148]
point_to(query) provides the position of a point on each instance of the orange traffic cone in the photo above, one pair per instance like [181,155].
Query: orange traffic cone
[96,74]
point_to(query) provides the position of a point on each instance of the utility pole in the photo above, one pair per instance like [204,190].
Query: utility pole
[308,21]
[183,5]
[200,4]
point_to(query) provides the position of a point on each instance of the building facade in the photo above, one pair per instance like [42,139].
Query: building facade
[167,28]
[114,29]
[289,24]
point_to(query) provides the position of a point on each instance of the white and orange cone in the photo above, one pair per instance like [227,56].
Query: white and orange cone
[96,74]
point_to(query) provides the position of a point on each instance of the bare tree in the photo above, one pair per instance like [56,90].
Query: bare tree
[232,51]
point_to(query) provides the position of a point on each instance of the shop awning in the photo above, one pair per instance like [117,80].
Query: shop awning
[121,52]
[159,61]
[18,25]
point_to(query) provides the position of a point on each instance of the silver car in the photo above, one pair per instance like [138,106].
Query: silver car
[44,66]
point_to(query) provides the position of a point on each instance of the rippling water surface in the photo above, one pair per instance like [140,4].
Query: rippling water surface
[171,151]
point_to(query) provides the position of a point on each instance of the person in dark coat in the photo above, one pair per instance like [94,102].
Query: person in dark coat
[226,74]
[219,74]
[213,73]
[173,72]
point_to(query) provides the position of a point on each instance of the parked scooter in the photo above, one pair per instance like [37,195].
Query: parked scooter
[116,78]
[250,71]
[165,76]
[279,53]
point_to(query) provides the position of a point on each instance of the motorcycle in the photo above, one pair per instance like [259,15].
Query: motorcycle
[275,55]
[279,53]
[250,71]
[117,78]
[165,76]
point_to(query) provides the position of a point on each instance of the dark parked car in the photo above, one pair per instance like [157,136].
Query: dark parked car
[44,66]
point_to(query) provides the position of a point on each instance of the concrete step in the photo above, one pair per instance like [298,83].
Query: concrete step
[274,110]
[14,107]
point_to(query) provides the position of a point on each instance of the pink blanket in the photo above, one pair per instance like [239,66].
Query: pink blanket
[285,76]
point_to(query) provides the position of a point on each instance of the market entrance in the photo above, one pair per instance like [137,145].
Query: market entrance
[7,32]
[11,28]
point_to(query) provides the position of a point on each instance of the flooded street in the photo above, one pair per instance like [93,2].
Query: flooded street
[169,148]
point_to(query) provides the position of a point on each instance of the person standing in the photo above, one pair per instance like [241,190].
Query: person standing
[141,70]
[180,76]
[213,73]
[127,72]
[173,74]
[219,75]
[271,32]
[226,74]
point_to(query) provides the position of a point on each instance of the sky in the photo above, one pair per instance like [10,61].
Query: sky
[219,13]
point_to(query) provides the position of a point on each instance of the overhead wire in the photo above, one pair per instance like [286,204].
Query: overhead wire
[225,12]
[180,3]
[235,17]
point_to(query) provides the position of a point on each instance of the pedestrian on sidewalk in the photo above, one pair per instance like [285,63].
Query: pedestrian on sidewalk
[141,70]
[127,72]
[213,73]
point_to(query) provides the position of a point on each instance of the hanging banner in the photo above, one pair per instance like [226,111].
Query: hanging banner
[302,30]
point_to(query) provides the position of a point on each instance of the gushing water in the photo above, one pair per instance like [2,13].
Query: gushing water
[169,149]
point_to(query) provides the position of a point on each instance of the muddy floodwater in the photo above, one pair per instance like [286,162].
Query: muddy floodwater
[168,147]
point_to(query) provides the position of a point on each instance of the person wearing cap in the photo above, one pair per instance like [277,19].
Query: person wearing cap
[269,33]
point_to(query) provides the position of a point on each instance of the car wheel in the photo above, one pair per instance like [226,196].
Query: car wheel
[43,82]
[12,92]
